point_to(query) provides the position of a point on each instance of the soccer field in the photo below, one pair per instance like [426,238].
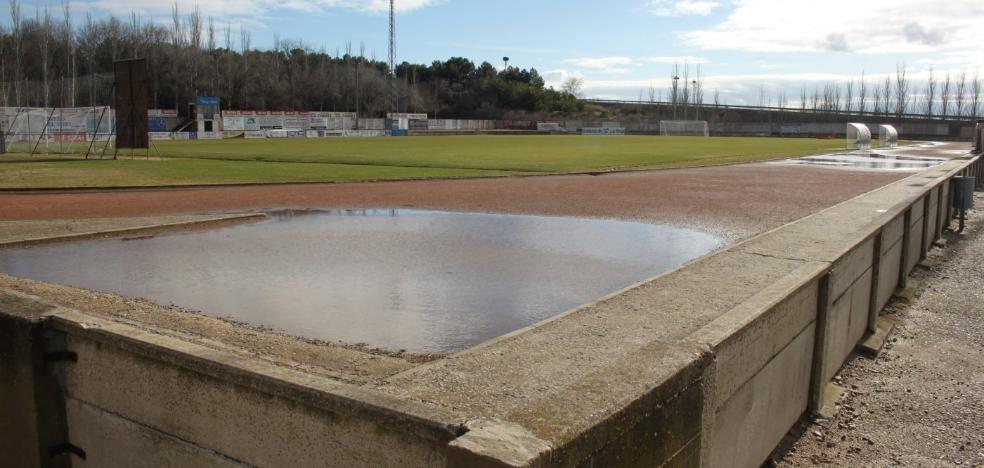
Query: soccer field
[366,159]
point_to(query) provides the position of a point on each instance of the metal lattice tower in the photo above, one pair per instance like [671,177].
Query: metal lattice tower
[394,97]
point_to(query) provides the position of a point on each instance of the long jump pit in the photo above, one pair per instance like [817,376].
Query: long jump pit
[675,317]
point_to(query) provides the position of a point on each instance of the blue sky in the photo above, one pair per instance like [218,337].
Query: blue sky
[622,46]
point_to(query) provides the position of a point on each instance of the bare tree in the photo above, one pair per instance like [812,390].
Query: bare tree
[945,96]
[210,40]
[849,96]
[177,35]
[195,28]
[876,100]
[245,49]
[901,91]
[4,82]
[46,33]
[70,66]
[930,102]
[829,102]
[15,30]
[717,98]
[684,93]
[960,92]
[975,96]
[862,95]
[887,95]
[698,92]
[573,86]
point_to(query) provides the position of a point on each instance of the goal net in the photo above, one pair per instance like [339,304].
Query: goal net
[75,130]
[684,128]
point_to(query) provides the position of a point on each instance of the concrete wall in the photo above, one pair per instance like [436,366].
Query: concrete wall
[720,389]
[776,353]
[136,398]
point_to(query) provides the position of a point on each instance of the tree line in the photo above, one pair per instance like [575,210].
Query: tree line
[50,61]
[948,96]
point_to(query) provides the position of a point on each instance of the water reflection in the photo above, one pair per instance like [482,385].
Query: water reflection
[400,279]
[871,161]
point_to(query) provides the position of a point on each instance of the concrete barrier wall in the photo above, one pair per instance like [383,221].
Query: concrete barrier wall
[776,353]
[890,262]
[720,391]
[135,398]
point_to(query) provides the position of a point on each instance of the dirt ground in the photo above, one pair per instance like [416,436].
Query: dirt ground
[733,202]
[27,232]
[921,402]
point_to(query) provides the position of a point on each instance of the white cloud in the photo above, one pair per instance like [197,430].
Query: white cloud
[690,59]
[376,6]
[245,11]
[599,63]
[897,26]
[555,78]
[682,7]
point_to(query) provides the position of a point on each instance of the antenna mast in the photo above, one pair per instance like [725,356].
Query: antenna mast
[394,97]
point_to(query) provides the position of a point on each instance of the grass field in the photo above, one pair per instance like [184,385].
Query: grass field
[362,159]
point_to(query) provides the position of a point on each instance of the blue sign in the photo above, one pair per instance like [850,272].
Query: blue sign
[157,123]
[207,100]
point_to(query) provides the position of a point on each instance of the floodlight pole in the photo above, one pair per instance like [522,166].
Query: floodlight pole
[676,79]
[694,95]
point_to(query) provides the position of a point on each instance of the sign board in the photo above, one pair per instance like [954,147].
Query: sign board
[394,116]
[603,131]
[789,129]
[157,123]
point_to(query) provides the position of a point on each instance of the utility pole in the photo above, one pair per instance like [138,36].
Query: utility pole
[394,96]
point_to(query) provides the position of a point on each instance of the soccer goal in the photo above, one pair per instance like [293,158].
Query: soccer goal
[684,128]
[858,136]
[888,136]
[40,130]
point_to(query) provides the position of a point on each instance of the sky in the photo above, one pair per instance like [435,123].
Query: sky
[622,47]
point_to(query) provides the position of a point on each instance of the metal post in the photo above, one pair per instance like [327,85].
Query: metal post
[95,131]
[43,129]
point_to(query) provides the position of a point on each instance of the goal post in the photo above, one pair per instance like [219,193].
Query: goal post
[47,130]
[684,128]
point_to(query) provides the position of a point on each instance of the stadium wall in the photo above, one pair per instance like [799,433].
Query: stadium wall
[750,339]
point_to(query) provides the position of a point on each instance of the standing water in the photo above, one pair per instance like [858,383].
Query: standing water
[421,281]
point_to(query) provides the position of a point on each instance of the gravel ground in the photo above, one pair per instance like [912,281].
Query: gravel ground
[921,402]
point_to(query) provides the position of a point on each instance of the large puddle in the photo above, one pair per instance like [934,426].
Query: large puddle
[419,281]
[867,161]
